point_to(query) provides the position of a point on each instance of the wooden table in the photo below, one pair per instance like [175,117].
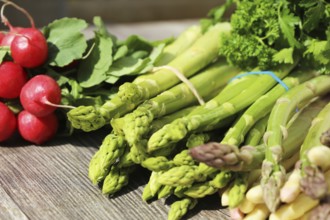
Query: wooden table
[51,182]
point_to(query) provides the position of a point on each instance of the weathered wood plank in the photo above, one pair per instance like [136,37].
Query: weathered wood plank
[51,183]
[8,207]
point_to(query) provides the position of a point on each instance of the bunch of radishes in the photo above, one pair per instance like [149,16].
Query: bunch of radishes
[39,95]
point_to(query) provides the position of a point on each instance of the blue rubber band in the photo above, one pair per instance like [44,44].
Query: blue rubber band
[270,73]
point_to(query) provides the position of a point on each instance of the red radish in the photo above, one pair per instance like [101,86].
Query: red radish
[37,130]
[9,37]
[13,77]
[29,48]
[41,95]
[8,122]
[2,35]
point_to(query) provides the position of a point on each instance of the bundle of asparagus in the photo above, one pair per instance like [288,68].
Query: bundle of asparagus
[254,139]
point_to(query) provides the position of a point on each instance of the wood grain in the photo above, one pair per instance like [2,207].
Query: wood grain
[51,182]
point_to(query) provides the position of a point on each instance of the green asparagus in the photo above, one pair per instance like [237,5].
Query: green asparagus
[179,208]
[273,174]
[250,157]
[132,94]
[111,149]
[179,128]
[136,125]
[313,181]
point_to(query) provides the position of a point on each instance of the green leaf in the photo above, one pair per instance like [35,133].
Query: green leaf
[121,52]
[92,70]
[156,53]
[66,41]
[313,16]
[284,56]
[288,22]
[112,79]
[319,50]
[135,42]
[3,52]
[128,66]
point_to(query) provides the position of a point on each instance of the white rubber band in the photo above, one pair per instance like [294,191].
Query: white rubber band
[184,80]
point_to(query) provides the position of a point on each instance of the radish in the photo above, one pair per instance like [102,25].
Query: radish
[2,35]
[28,46]
[13,78]
[37,130]
[41,95]
[8,38]
[8,122]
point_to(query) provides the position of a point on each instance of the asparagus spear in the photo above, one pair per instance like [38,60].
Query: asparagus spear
[250,157]
[179,128]
[132,94]
[200,190]
[313,181]
[180,208]
[237,190]
[180,44]
[136,124]
[254,136]
[116,179]
[325,138]
[225,154]
[273,174]
[262,107]
[111,149]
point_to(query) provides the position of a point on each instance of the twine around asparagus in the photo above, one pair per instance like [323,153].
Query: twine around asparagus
[184,80]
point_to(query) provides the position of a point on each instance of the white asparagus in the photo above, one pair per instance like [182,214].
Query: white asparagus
[291,187]
[319,156]
[295,209]
[246,206]
[236,214]
[254,194]
[260,212]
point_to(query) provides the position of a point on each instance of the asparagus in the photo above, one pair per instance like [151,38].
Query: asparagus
[130,95]
[320,212]
[183,175]
[273,174]
[227,154]
[197,139]
[295,209]
[165,191]
[180,44]
[254,194]
[250,157]
[200,190]
[179,208]
[128,158]
[262,107]
[325,138]
[254,136]
[136,124]
[291,188]
[116,179]
[152,187]
[319,156]
[237,190]
[157,164]
[111,149]
[179,128]
[260,212]
[246,206]
[313,181]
